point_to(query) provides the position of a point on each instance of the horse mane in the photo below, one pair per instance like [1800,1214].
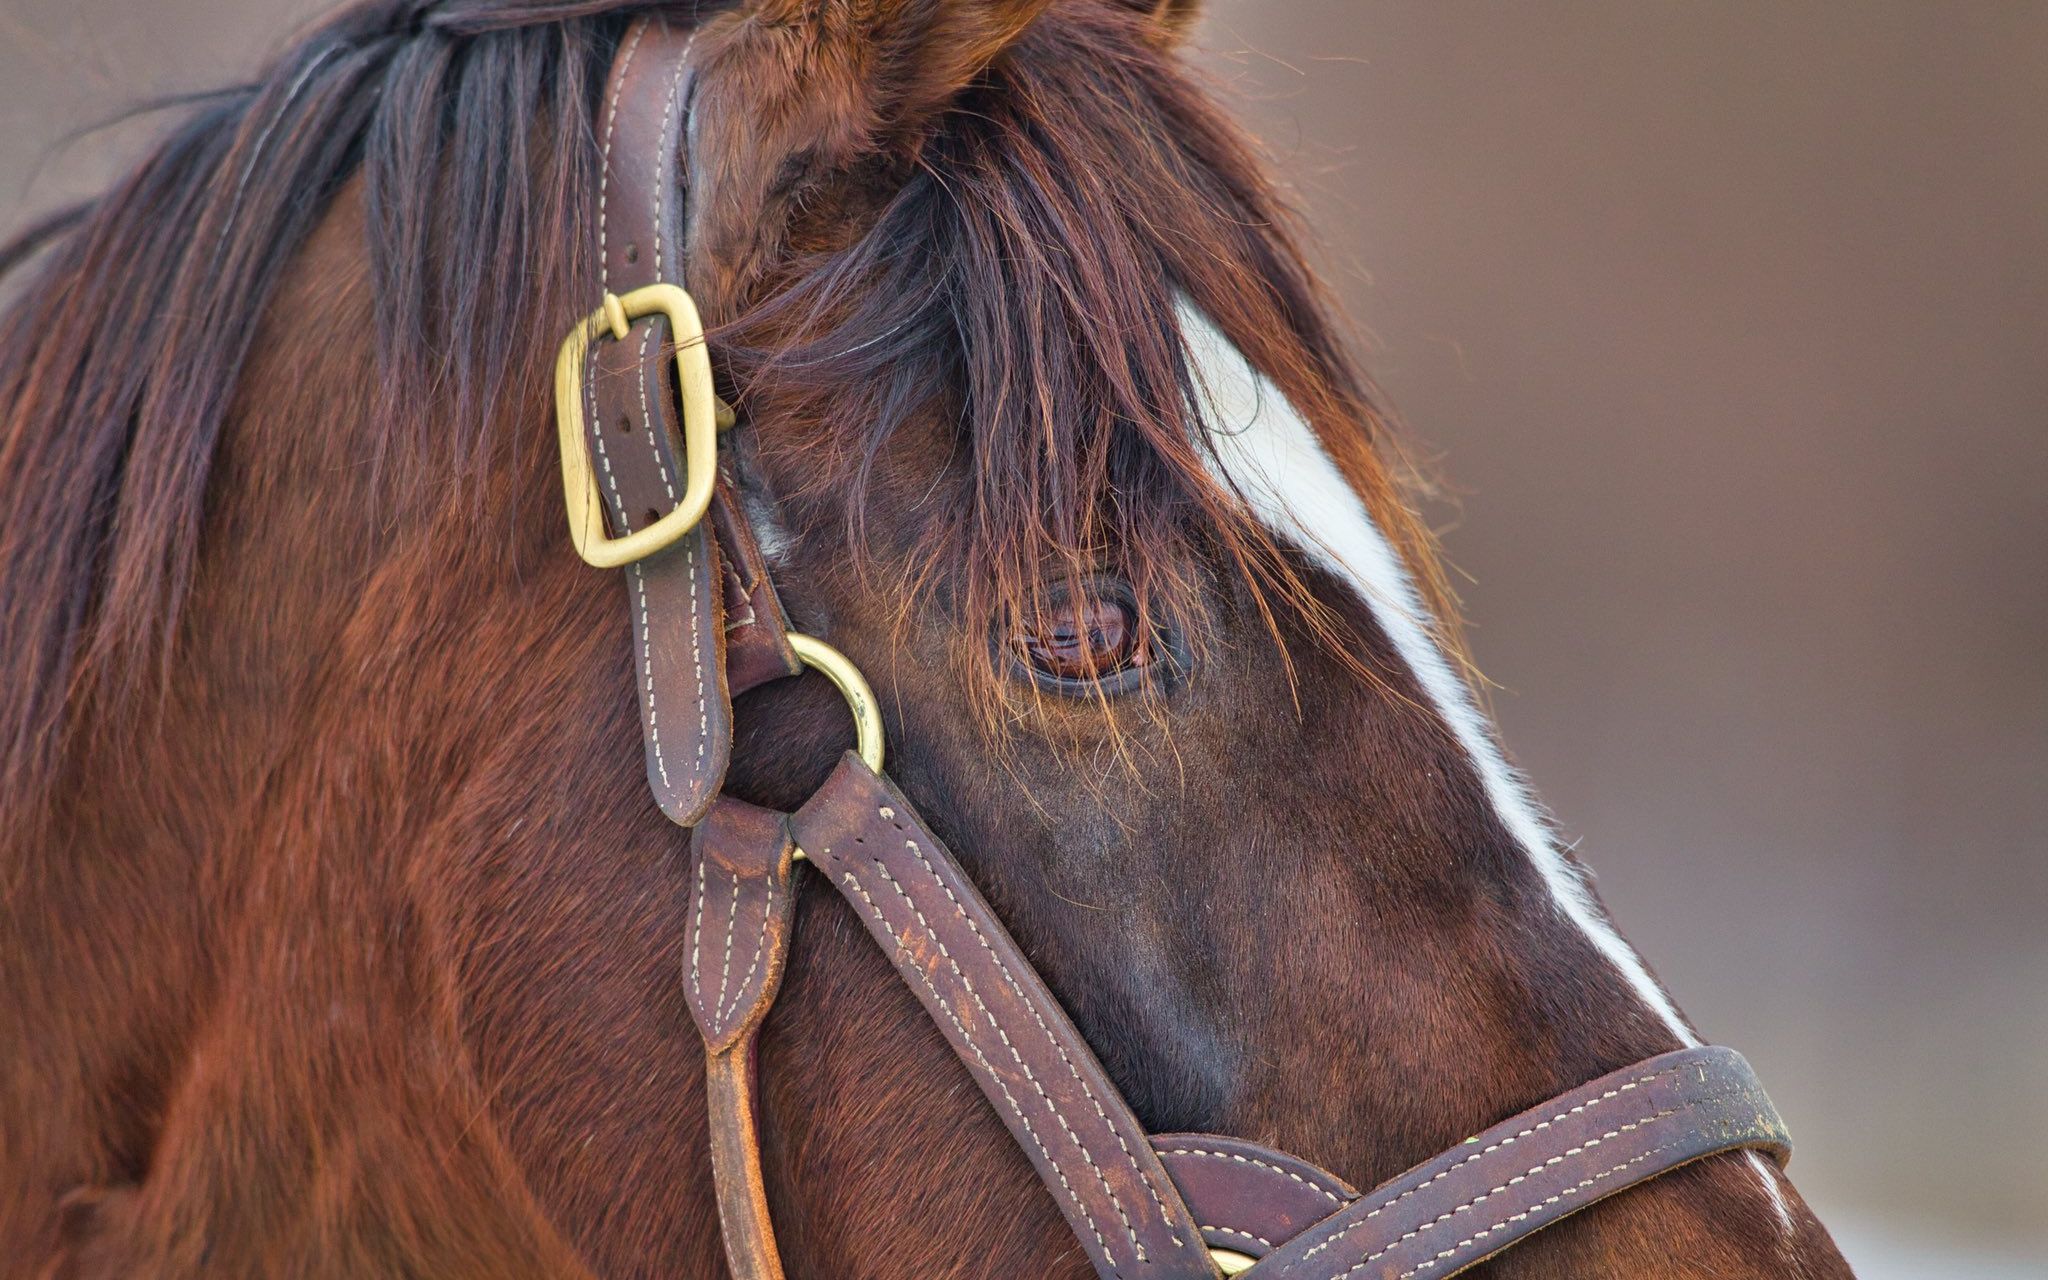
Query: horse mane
[1028,265]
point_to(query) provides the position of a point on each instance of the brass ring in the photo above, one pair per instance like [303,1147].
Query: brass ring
[853,686]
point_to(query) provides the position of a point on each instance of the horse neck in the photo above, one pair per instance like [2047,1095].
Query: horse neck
[286,1087]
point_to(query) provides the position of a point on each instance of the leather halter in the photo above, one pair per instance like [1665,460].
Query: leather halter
[639,432]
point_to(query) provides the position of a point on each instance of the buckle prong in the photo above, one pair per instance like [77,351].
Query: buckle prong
[615,312]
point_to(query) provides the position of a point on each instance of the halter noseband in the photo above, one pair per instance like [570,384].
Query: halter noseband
[647,491]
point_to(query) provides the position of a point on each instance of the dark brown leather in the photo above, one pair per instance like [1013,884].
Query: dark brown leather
[737,940]
[757,648]
[1245,1197]
[1530,1171]
[697,615]
[675,597]
[737,933]
[1006,1026]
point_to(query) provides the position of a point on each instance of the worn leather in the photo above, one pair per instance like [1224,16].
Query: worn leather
[675,597]
[757,649]
[737,931]
[736,942]
[1248,1198]
[706,624]
[1022,1049]
[1530,1171]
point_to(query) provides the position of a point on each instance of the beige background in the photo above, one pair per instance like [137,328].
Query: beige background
[1730,323]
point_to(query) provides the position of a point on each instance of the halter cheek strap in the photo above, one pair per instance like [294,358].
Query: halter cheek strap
[634,394]
[706,623]
[1022,1049]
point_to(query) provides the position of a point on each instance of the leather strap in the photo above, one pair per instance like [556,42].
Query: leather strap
[1247,1198]
[757,649]
[1022,1049]
[674,597]
[741,907]
[706,625]
[1545,1164]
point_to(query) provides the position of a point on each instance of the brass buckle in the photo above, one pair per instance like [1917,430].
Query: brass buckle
[700,425]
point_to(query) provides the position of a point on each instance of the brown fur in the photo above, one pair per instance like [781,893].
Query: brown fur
[340,936]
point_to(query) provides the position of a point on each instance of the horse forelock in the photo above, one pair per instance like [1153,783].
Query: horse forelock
[1026,272]
[1024,284]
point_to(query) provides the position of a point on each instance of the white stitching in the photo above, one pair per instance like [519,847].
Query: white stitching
[903,950]
[1233,1231]
[1509,1141]
[1087,1157]
[1534,1208]
[604,186]
[697,928]
[1519,1178]
[760,949]
[1144,1177]
[689,571]
[668,482]
[647,663]
[1317,1187]
[645,632]
[660,194]
[604,459]
[732,915]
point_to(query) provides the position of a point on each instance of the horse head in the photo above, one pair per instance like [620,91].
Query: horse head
[370,941]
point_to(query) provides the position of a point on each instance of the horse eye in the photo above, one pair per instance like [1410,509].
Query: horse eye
[1086,642]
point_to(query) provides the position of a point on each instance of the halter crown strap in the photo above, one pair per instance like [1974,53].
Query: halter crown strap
[706,624]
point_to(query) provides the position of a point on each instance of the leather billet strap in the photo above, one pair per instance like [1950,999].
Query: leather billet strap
[680,598]
[706,624]
[1022,1049]
[741,906]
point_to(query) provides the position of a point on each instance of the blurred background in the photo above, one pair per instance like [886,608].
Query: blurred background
[1728,325]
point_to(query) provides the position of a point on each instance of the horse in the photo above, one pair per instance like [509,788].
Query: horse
[340,935]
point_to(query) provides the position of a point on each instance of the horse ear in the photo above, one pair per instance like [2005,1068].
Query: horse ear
[794,93]
[915,55]
[1171,20]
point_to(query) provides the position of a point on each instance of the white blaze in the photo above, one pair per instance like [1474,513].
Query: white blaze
[1266,452]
